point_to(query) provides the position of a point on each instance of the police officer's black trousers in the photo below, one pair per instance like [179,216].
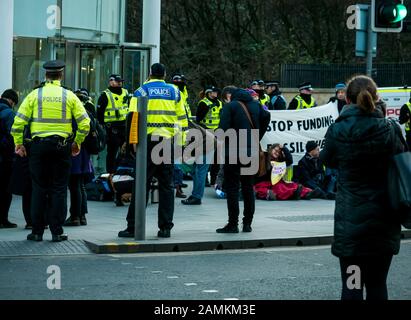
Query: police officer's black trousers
[115,140]
[6,168]
[165,176]
[50,163]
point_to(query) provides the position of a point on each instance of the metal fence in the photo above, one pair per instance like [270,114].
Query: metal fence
[327,76]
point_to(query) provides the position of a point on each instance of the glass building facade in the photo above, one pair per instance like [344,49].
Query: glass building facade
[89,35]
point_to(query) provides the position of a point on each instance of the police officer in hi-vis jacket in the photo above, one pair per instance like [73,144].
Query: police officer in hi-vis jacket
[112,110]
[166,118]
[49,111]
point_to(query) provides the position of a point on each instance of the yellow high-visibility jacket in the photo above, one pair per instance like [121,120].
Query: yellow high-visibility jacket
[265,100]
[166,115]
[50,110]
[117,103]
[212,119]
[303,105]
[184,97]
[408,124]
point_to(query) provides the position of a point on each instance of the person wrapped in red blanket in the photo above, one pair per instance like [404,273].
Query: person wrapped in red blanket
[273,185]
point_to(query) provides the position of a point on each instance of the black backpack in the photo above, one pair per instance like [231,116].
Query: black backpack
[95,141]
[99,190]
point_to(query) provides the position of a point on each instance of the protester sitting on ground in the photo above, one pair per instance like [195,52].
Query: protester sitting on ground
[272,186]
[311,173]
[122,179]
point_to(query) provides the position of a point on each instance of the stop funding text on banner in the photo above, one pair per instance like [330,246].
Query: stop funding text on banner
[294,128]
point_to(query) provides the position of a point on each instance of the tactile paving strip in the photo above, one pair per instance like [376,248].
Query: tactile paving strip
[44,248]
[305,218]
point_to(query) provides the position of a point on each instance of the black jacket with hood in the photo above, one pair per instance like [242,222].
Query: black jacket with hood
[6,122]
[234,117]
[360,145]
[279,103]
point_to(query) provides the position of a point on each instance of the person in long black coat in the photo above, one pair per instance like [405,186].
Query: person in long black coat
[234,117]
[366,231]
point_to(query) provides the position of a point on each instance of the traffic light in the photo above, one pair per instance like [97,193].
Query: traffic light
[387,15]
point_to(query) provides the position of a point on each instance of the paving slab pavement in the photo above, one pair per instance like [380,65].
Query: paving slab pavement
[277,223]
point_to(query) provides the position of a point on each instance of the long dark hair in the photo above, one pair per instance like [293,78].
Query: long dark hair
[362,91]
[270,150]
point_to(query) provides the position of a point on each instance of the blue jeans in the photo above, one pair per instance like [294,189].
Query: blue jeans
[332,176]
[178,175]
[199,174]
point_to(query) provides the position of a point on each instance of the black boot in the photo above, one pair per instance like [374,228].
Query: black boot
[164,233]
[247,227]
[7,225]
[35,237]
[191,201]
[128,233]
[72,222]
[59,238]
[179,193]
[229,228]
[83,220]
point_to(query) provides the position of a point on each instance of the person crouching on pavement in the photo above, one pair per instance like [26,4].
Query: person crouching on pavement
[311,173]
[272,186]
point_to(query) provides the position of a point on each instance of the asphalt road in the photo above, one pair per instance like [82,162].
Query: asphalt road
[264,274]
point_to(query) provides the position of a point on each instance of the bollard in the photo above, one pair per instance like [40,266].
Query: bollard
[141,171]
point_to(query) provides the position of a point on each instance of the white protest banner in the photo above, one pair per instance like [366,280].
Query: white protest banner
[294,128]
